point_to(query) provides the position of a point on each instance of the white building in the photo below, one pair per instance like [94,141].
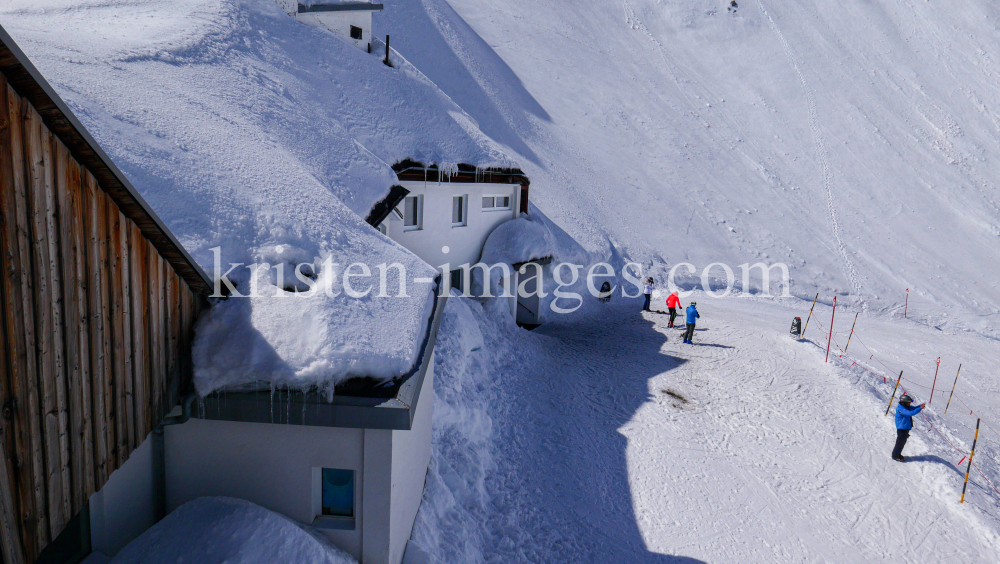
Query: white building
[351,20]
[353,467]
[446,217]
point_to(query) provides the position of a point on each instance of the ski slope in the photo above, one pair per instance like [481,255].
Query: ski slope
[857,141]
[579,454]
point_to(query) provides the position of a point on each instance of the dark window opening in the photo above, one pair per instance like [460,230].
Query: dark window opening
[456,279]
[355,32]
[338,492]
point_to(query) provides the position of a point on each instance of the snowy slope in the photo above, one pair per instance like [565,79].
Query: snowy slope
[766,454]
[271,140]
[857,142]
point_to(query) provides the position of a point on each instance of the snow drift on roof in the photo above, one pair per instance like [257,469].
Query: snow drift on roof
[235,531]
[249,131]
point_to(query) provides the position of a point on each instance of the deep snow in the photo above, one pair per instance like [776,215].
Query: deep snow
[857,142]
[271,139]
[233,531]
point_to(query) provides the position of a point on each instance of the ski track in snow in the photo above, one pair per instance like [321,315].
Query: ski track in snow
[822,154]
[774,457]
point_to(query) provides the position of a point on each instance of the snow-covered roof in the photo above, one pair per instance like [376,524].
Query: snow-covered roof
[25,79]
[306,6]
[269,140]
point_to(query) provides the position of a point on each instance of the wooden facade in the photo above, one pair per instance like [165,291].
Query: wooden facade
[97,307]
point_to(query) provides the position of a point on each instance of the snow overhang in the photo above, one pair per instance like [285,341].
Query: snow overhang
[339,7]
[466,173]
[361,402]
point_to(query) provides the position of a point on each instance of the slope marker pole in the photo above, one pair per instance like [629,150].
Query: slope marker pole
[852,332]
[952,389]
[810,316]
[898,380]
[907,306]
[830,339]
[934,385]
[969,467]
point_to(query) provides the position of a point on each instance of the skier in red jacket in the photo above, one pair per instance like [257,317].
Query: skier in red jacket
[673,302]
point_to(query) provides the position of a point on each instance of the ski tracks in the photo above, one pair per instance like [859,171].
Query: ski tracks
[821,153]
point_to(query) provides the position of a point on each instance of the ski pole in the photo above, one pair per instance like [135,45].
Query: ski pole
[900,379]
[934,385]
[810,316]
[969,467]
[852,332]
[830,339]
[952,389]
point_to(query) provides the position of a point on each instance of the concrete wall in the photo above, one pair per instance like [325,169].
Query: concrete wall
[465,243]
[275,466]
[340,24]
[411,453]
[124,508]
[270,465]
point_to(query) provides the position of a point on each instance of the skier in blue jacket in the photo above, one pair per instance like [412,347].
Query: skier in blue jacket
[904,422]
[692,315]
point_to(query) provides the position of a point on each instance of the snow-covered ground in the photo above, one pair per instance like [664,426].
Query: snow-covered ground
[858,142]
[566,444]
[232,531]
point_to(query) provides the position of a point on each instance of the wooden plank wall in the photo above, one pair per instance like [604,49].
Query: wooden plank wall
[96,333]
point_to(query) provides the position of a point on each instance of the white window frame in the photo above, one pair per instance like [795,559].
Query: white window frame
[464,210]
[420,213]
[510,202]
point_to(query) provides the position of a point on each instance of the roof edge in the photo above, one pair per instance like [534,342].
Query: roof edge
[313,409]
[343,7]
[410,170]
[22,75]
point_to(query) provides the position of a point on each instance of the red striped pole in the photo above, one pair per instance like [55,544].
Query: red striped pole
[934,385]
[830,339]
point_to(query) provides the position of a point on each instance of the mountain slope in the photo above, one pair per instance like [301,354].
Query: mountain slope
[856,142]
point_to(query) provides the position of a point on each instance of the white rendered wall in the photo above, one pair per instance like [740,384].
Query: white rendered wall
[465,243]
[270,465]
[125,506]
[411,454]
[340,24]
[274,466]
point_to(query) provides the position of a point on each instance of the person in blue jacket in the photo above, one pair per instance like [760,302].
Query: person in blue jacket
[692,315]
[904,422]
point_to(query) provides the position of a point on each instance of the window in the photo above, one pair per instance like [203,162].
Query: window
[456,279]
[413,212]
[458,211]
[338,493]
[355,32]
[496,203]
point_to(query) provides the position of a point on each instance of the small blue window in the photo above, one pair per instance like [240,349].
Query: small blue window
[338,492]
